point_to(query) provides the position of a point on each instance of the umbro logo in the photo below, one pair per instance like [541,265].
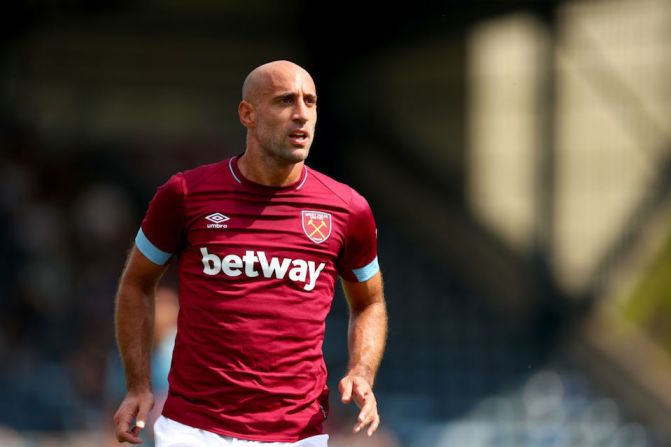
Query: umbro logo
[217,219]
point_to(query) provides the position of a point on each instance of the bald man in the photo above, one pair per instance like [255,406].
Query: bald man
[259,240]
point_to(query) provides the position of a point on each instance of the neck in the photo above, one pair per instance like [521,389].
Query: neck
[267,171]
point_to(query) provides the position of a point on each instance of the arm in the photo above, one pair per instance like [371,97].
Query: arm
[366,341]
[134,320]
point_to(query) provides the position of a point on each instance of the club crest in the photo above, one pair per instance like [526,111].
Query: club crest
[316,225]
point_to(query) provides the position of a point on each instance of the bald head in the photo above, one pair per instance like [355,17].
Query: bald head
[266,76]
[279,110]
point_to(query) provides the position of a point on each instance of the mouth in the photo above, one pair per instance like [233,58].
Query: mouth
[299,137]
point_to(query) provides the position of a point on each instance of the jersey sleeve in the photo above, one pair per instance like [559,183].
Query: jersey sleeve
[358,259]
[160,233]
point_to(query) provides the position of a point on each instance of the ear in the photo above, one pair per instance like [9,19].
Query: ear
[246,113]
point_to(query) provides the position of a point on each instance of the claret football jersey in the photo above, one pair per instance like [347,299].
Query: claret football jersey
[257,268]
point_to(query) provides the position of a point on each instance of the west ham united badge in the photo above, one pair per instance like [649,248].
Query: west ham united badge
[316,225]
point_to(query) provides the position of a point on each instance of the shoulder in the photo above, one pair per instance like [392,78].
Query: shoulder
[205,172]
[191,179]
[344,192]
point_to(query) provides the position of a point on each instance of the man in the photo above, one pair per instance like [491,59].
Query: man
[260,239]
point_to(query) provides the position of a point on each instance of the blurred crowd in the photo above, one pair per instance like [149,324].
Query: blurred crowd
[65,232]
[68,216]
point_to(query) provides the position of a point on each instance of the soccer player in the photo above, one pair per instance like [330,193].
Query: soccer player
[259,240]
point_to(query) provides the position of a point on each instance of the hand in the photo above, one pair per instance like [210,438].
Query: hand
[136,406]
[357,387]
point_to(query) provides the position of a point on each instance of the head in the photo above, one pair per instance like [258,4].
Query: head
[279,110]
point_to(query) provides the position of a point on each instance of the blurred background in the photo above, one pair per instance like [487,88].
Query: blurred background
[516,154]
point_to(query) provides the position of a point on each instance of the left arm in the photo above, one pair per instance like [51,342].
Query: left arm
[366,341]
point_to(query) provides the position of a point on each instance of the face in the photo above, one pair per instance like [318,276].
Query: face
[283,114]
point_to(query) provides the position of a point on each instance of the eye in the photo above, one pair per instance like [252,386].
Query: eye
[310,101]
[287,99]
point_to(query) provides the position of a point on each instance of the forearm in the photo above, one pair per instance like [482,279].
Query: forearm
[134,322]
[367,339]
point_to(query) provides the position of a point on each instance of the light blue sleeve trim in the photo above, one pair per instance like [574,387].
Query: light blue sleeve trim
[153,253]
[367,272]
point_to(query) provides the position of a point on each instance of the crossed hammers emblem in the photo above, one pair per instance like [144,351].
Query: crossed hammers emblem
[317,229]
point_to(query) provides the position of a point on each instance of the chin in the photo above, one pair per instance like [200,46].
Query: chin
[295,155]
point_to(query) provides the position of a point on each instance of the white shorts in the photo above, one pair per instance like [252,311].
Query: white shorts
[169,433]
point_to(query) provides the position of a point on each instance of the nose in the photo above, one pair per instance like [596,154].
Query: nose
[301,112]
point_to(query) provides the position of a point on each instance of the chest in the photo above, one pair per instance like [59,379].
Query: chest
[281,225]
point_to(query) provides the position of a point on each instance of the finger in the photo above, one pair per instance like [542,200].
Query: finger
[361,387]
[367,420]
[126,434]
[374,425]
[360,425]
[368,411]
[129,437]
[121,428]
[141,418]
[345,388]
[361,393]
[135,432]
[122,420]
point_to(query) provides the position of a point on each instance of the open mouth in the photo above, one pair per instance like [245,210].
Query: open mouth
[299,136]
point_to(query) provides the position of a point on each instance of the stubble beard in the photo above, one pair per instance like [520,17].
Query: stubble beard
[278,150]
[284,154]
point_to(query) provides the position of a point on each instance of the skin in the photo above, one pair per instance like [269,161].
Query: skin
[279,110]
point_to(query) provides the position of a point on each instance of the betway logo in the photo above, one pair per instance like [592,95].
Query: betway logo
[255,263]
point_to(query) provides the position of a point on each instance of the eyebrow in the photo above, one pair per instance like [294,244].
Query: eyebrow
[293,94]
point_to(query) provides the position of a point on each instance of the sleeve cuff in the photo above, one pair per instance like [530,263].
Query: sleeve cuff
[365,273]
[149,250]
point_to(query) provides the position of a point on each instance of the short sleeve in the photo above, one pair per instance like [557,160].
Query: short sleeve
[358,259]
[160,233]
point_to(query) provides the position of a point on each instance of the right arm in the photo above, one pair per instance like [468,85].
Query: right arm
[134,322]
